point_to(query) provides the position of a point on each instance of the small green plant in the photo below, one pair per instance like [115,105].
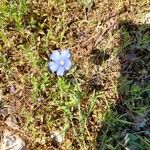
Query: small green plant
[87,3]
[12,13]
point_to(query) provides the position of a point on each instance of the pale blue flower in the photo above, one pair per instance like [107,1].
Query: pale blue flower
[60,62]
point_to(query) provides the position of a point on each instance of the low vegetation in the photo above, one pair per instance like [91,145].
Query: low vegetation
[103,101]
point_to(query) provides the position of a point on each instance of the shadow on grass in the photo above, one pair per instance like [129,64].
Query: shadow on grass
[126,125]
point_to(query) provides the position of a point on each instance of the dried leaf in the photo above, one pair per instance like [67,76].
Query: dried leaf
[11,121]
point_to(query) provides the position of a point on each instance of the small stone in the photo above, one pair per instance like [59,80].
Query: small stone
[11,142]
[139,122]
[57,137]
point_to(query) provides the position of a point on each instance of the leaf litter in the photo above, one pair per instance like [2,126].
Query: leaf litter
[82,34]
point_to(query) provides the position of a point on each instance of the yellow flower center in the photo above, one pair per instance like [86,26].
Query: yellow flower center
[62,62]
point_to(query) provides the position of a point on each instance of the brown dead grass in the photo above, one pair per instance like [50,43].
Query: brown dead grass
[80,35]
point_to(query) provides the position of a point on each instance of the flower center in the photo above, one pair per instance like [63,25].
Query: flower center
[61,62]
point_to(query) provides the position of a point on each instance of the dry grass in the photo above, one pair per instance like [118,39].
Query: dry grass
[92,102]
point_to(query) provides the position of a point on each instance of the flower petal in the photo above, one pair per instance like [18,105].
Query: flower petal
[53,66]
[60,71]
[65,54]
[67,64]
[55,55]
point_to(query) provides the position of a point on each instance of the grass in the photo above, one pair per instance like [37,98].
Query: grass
[97,103]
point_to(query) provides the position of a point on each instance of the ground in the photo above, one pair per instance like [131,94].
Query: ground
[103,101]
